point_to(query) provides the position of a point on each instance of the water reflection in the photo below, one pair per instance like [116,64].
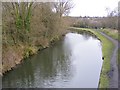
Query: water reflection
[74,62]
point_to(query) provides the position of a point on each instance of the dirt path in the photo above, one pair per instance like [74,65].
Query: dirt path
[114,68]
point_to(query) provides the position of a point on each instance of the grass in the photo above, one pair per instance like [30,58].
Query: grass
[107,48]
[112,33]
[115,35]
[118,62]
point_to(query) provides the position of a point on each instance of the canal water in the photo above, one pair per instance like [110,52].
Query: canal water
[74,62]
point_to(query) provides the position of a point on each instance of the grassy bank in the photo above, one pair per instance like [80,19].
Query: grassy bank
[115,35]
[112,33]
[107,48]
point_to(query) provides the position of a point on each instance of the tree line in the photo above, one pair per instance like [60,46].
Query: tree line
[109,21]
[33,23]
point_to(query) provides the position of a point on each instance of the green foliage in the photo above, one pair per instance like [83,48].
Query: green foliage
[19,22]
[27,23]
[29,51]
[22,22]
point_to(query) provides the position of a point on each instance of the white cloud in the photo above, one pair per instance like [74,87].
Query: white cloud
[92,7]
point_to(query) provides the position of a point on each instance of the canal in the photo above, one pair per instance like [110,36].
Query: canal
[73,62]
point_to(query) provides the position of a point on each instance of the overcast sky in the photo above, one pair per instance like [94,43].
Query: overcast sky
[92,7]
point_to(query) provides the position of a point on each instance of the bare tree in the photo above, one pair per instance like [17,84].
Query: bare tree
[63,7]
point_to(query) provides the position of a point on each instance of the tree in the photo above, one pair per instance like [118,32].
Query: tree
[21,14]
[63,7]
